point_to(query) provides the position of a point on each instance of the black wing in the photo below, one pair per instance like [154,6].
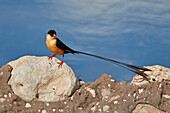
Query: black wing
[62,46]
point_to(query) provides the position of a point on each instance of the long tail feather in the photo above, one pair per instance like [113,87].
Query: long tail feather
[137,69]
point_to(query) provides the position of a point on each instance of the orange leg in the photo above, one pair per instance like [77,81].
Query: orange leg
[61,63]
[50,57]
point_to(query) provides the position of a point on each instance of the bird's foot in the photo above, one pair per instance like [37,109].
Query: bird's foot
[50,57]
[60,64]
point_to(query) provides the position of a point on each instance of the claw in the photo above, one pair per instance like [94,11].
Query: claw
[50,57]
[60,64]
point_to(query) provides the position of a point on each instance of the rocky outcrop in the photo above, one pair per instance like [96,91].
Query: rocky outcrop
[146,108]
[104,95]
[37,77]
[158,73]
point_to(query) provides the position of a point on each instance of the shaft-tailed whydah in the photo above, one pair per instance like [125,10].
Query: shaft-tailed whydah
[59,48]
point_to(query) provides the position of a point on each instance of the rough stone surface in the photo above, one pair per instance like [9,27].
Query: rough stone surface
[158,73]
[37,77]
[146,108]
[104,95]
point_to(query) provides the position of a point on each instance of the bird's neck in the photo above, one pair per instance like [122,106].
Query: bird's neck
[49,38]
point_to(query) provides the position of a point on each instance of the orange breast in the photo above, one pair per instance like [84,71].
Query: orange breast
[53,48]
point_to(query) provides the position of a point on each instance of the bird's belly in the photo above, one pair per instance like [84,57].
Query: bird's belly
[53,48]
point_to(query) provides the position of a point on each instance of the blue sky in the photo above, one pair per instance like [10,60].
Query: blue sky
[134,32]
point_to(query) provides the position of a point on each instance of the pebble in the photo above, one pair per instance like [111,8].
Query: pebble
[9,94]
[93,108]
[97,103]
[166,96]
[80,108]
[47,104]
[115,102]
[116,112]
[109,85]
[5,96]
[61,110]
[92,91]
[160,85]
[1,73]
[27,105]
[15,103]
[124,100]
[2,99]
[71,97]
[44,111]
[105,108]
[140,91]
[54,110]
[54,88]
[134,94]
[112,80]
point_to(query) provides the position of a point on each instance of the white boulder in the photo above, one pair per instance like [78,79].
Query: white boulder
[37,77]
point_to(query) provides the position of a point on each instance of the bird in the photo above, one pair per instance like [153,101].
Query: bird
[56,46]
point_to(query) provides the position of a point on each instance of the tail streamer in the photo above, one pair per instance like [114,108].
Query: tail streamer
[136,69]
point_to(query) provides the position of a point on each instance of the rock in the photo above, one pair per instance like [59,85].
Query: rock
[37,77]
[5,89]
[158,73]
[145,108]
[119,97]
[105,108]
[27,105]
[104,95]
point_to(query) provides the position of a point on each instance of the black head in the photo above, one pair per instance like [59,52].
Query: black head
[51,32]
